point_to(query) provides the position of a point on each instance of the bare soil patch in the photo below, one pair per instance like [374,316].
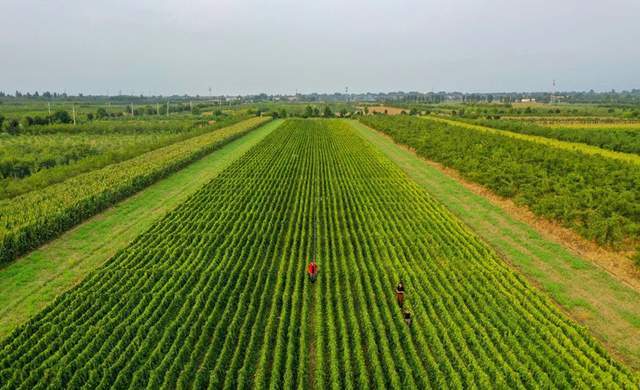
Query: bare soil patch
[384,109]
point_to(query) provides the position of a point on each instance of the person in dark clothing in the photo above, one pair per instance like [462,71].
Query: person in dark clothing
[407,317]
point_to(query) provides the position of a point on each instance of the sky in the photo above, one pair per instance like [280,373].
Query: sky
[283,46]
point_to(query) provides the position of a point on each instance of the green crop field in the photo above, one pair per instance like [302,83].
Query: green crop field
[38,278]
[195,197]
[214,295]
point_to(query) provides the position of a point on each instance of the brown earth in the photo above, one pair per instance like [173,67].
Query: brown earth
[381,109]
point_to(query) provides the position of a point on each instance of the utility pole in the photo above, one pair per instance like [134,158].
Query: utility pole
[158,108]
[190,105]
[49,107]
[132,109]
[73,107]
[167,108]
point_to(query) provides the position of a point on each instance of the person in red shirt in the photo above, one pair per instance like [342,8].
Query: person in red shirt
[400,294]
[312,271]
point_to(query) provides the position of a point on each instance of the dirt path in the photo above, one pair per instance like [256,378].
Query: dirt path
[383,109]
[593,286]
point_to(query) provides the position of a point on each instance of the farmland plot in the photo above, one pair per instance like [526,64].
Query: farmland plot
[591,193]
[215,295]
[31,219]
[44,155]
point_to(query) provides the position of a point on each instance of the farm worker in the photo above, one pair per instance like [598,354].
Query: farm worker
[312,270]
[407,317]
[400,293]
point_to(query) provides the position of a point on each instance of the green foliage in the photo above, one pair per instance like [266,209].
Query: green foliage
[28,220]
[327,113]
[43,155]
[26,121]
[308,112]
[19,160]
[61,116]
[101,113]
[596,196]
[11,126]
[616,138]
[214,294]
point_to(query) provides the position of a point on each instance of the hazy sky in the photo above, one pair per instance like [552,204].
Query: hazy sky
[280,46]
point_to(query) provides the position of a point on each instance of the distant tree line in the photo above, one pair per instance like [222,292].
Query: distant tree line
[308,112]
[631,97]
[627,97]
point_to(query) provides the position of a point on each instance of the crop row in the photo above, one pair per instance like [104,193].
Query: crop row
[28,220]
[214,295]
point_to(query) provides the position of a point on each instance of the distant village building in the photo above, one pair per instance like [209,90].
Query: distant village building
[528,100]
